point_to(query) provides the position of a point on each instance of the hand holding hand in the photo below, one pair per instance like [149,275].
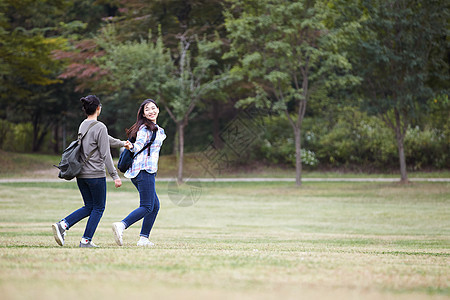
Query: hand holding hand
[128,145]
[118,183]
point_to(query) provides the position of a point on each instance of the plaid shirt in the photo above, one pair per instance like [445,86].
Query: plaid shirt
[144,161]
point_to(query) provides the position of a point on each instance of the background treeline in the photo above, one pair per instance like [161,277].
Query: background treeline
[336,83]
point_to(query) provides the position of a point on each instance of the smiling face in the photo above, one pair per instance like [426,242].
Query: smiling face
[151,111]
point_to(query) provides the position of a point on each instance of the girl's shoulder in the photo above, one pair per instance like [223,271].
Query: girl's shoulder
[143,130]
[98,126]
[101,125]
[142,127]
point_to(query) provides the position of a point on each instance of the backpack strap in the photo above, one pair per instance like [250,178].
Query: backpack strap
[148,144]
[89,156]
[80,138]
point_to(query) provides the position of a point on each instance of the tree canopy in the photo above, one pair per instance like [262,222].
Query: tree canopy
[311,63]
[287,53]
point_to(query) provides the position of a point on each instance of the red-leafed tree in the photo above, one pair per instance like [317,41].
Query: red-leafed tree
[81,64]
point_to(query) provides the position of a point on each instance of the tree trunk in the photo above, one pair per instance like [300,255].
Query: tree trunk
[180,126]
[216,125]
[175,142]
[298,157]
[401,156]
[399,128]
[56,138]
[36,129]
[40,139]
[296,126]
[64,133]
[400,132]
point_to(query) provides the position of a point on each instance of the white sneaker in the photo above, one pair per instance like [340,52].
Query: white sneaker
[144,242]
[59,233]
[118,228]
[89,244]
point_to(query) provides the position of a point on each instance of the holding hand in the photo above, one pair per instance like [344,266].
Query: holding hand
[128,145]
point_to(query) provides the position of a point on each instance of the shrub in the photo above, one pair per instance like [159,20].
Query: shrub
[356,139]
[278,145]
[5,129]
[428,147]
[16,137]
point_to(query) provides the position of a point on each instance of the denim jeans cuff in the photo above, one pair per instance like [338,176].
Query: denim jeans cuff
[67,223]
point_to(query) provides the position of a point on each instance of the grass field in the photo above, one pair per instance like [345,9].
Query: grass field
[238,241]
[24,165]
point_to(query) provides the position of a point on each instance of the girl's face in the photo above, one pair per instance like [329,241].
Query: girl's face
[151,111]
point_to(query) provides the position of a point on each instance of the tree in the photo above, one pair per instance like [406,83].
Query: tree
[132,20]
[28,74]
[177,18]
[134,71]
[147,68]
[402,46]
[191,81]
[287,54]
[135,18]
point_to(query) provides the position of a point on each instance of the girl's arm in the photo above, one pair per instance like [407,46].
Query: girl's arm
[115,143]
[141,140]
[105,152]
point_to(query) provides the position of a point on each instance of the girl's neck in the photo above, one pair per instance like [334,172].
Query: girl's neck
[92,117]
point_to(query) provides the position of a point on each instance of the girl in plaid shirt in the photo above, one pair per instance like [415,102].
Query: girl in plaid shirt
[143,171]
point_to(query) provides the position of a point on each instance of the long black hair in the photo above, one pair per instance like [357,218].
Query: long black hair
[141,120]
[90,104]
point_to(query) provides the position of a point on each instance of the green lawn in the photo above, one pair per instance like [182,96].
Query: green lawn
[238,241]
[22,165]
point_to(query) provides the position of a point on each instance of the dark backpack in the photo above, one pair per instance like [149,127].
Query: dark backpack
[71,161]
[126,157]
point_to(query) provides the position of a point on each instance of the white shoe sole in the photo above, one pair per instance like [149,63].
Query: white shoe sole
[117,235]
[149,244]
[58,237]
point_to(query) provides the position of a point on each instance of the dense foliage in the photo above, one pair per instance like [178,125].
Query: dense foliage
[352,84]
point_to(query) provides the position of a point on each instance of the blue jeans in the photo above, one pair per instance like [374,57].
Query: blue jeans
[93,191]
[149,203]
